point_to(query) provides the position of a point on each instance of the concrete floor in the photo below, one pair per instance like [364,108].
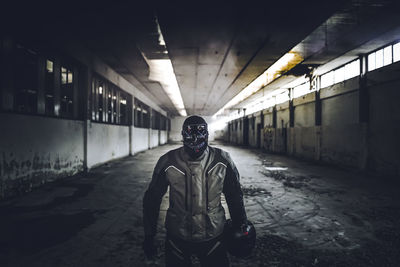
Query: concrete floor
[305,215]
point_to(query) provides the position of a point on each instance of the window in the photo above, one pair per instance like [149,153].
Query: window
[111,99]
[156,120]
[109,103]
[123,110]
[396,52]
[142,115]
[281,98]
[301,90]
[164,122]
[25,80]
[352,69]
[341,74]
[384,56]
[67,92]
[49,87]
[327,79]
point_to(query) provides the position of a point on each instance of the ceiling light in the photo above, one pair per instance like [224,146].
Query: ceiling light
[161,70]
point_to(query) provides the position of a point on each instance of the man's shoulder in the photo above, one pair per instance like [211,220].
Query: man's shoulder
[170,154]
[220,153]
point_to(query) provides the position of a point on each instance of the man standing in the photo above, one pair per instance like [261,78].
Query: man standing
[197,175]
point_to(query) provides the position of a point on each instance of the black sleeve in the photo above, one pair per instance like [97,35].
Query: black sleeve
[234,195]
[152,199]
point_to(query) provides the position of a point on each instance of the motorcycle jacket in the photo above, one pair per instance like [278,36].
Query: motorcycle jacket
[195,211]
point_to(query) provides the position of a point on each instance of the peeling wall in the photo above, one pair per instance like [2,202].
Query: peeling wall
[106,142]
[36,150]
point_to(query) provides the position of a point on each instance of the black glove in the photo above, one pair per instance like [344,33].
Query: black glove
[150,250]
[242,230]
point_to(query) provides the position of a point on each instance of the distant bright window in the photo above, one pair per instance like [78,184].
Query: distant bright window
[379,58]
[384,56]
[352,69]
[281,98]
[387,55]
[67,93]
[327,79]
[301,90]
[49,66]
[341,74]
[371,61]
[396,52]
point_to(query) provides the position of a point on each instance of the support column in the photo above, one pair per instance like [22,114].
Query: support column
[318,122]
[291,131]
[129,112]
[85,82]
[363,112]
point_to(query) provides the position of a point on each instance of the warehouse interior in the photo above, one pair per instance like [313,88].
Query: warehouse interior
[303,95]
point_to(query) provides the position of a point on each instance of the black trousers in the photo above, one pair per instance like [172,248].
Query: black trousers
[211,253]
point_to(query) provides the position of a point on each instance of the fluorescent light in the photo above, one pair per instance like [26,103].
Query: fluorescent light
[161,70]
[285,63]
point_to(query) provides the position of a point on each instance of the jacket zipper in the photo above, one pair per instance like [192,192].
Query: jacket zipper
[186,192]
[207,192]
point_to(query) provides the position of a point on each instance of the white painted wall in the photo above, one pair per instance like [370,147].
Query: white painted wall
[106,142]
[163,137]
[154,138]
[140,139]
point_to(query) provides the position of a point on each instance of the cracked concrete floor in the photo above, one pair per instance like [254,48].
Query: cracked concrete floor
[305,215]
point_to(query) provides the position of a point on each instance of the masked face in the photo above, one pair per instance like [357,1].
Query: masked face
[195,137]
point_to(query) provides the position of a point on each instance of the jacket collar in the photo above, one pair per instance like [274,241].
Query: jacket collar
[186,157]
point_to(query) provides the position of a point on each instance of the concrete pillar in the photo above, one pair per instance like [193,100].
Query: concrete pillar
[363,98]
[318,121]
[85,84]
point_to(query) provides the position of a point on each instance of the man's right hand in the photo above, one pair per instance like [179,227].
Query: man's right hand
[150,250]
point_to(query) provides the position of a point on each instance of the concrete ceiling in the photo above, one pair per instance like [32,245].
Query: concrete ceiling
[216,49]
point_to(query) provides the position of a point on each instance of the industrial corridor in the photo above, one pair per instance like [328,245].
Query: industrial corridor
[305,214]
[200,133]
